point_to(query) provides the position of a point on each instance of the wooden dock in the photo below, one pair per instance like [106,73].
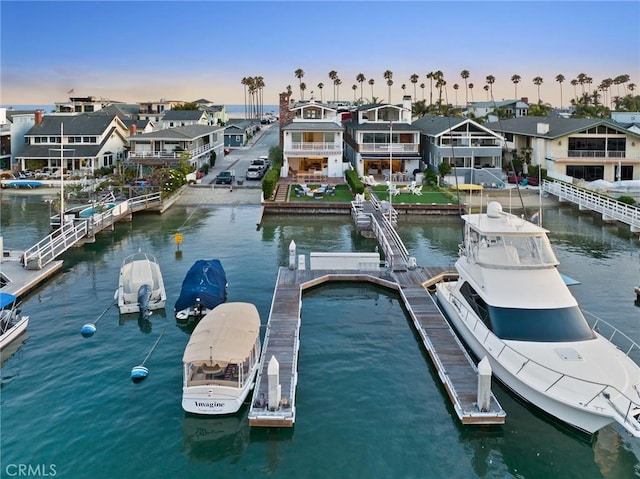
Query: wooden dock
[282,341]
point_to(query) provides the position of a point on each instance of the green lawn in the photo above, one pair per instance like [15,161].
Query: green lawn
[427,197]
[343,193]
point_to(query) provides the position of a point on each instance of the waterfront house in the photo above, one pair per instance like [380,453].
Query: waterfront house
[14,124]
[380,140]
[473,151]
[313,143]
[580,148]
[192,143]
[89,141]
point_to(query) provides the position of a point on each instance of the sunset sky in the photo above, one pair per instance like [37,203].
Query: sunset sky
[185,50]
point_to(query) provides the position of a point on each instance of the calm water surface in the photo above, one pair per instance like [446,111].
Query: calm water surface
[369,403]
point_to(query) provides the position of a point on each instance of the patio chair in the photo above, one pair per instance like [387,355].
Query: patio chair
[392,189]
[417,190]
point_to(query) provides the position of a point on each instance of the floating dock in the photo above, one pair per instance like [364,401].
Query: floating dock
[455,368]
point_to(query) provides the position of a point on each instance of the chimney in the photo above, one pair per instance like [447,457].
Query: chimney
[133,129]
[38,117]
[543,128]
[406,102]
[525,99]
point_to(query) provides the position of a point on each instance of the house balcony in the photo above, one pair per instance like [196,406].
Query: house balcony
[315,148]
[386,147]
[166,155]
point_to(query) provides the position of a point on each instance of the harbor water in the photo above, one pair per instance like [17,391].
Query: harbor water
[369,402]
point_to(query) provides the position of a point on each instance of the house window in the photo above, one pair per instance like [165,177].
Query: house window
[586,172]
[107,159]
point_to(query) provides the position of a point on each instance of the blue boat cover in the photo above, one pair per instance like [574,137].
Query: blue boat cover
[6,299]
[205,280]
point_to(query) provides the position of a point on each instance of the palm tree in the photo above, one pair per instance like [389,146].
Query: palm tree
[574,83]
[371,82]
[299,73]
[560,78]
[244,83]
[303,87]
[260,86]
[538,81]
[582,79]
[471,91]
[486,88]
[354,87]
[320,87]
[465,74]
[422,85]
[431,76]
[337,82]
[388,75]
[440,84]
[490,81]
[360,79]
[515,79]
[404,89]
[455,87]
[333,75]
[414,79]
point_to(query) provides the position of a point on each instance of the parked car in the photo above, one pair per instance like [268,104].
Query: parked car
[254,173]
[261,163]
[225,177]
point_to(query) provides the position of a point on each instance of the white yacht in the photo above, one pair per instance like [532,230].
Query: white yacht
[511,305]
[221,359]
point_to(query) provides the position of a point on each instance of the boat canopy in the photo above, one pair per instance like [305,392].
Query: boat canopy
[205,282]
[6,299]
[225,335]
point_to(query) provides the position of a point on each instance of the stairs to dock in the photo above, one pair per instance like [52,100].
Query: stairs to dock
[282,193]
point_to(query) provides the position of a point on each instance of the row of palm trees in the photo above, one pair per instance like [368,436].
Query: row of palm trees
[436,78]
[254,88]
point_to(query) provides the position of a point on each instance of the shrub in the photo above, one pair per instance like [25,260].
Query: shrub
[628,200]
[357,187]
[269,182]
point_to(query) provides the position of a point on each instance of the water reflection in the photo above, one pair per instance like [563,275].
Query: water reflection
[212,439]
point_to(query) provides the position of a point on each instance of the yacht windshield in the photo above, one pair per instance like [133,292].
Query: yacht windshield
[545,325]
[513,251]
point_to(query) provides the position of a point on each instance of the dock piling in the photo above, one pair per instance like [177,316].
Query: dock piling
[275,388]
[484,385]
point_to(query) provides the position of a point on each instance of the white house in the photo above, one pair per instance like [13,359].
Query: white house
[312,143]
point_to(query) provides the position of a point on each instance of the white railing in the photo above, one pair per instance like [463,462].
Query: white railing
[386,147]
[608,207]
[596,154]
[314,146]
[164,154]
[73,230]
[545,379]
